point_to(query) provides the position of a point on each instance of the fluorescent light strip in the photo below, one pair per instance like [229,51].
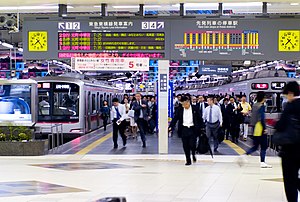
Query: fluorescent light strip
[134,6]
[246,4]
[31,7]
[7,45]
[294,4]
[198,5]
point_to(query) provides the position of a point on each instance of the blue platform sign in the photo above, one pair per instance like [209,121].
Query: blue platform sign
[170,104]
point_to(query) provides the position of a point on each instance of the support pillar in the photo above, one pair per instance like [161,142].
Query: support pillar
[163,83]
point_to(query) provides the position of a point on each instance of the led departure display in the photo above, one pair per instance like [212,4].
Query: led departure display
[112,41]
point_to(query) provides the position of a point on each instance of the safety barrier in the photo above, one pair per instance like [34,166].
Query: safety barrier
[56,137]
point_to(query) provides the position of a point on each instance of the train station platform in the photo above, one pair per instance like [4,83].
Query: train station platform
[100,142]
[139,178]
[87,169]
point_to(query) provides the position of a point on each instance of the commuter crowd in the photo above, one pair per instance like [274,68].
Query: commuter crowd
[207,121]
[129,115]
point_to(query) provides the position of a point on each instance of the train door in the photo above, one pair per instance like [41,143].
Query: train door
[88,111]
[98,109]
[101,105]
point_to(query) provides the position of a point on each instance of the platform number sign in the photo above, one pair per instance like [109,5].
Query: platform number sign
[153,25]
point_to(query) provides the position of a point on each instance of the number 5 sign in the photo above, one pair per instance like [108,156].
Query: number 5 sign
[138,64]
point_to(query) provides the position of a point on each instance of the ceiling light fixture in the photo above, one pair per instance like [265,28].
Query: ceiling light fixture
[7,45]
[198,5]
[246,4]
[31,8]
[294,4]
[134,6]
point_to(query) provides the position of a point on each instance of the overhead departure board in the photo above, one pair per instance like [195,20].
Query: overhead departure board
[112,41]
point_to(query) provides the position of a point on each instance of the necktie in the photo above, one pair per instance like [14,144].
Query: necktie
[118,113]
[210,115]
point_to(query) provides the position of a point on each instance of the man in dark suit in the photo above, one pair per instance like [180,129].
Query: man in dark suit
[189,123]
[201,105]
[141,116]
[226,117]
[234,111]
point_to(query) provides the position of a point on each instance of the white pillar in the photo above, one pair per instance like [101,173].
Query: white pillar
[163,83]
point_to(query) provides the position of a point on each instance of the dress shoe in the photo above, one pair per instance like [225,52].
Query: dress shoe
[188,163]
[124,142]
[194,158]
[115,146]
[144,144]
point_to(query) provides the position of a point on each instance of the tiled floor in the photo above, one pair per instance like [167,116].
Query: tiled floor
[148,178]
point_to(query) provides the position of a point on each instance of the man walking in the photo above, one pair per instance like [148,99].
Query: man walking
[189,120]
[213,118]
[141,116]
[118,114]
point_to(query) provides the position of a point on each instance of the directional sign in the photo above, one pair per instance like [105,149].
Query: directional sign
[69,25]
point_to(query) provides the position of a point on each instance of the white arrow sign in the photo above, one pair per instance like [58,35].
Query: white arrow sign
[61,25]
[160,25]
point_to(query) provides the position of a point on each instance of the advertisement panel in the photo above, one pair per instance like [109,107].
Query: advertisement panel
[215,69]
[110,64]
[15,103]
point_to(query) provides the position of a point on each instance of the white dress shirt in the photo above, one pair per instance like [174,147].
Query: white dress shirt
[122,110]
[188,117]
[216,114]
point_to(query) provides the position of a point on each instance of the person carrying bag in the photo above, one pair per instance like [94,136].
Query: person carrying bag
[287,137]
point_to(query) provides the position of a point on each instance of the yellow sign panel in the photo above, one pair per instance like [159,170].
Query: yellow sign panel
[37,41]
[288,40]
[142,86]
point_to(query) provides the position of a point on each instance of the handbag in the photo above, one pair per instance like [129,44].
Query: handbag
[290,136]
[258,129]
[130,113]
[247,119]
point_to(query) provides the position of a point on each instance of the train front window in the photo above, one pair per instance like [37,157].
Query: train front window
[58,102]
[65,97]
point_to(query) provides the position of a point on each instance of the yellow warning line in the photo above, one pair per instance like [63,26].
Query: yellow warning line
[236,148]
[93,145]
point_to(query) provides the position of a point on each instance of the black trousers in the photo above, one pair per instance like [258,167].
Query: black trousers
[105,122]
[142,125]
[234,131]
[118,129]
[290,171]
[188,142]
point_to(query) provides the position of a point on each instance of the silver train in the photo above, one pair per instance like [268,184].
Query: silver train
[249,85]
[73,102]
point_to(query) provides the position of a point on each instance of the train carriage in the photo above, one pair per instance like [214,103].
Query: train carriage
[271,82]
[73,102]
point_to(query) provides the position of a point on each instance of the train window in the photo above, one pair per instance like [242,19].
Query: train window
[101,101]
[98,102]
[273,103]
[66,98]
[93,103]
[44,105]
